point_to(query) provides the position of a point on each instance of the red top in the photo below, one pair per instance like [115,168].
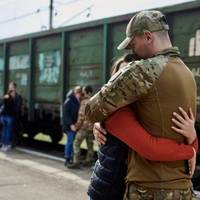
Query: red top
[124,125]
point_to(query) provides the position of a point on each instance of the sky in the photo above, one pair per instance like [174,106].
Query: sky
[19,17]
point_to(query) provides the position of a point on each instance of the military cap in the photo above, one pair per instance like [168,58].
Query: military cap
[150,20]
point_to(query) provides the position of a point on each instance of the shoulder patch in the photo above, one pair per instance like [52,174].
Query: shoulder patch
[152,67]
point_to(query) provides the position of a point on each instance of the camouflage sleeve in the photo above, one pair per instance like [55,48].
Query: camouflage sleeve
[125,87]
[81,115]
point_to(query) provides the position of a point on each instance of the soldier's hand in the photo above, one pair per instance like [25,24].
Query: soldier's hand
[192,164]
[99,133]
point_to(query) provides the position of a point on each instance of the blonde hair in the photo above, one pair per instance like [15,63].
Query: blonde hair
[77,89]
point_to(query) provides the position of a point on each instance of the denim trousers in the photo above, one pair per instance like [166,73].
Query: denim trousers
[7,122]
[69,144]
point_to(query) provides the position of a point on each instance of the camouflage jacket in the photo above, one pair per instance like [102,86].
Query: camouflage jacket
[127,85]
[157,86]
[82,123]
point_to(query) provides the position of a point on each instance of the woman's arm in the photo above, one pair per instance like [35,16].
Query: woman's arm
[123,125]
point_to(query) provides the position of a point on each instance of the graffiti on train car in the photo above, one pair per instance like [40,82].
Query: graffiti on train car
[1,64]
[89,75]
[84,75]
[19,65]
[49,66]
[19,62]
[194,45]
[196,71]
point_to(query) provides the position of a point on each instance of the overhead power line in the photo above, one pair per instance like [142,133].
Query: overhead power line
[42,9]
[24,15]
[76,15]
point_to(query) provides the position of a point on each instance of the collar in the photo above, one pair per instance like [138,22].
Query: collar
[173,51]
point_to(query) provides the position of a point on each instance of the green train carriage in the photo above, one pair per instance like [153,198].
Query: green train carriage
[45,65]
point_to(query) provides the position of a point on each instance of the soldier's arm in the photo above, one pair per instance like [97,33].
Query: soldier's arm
[81,115]
[125,87]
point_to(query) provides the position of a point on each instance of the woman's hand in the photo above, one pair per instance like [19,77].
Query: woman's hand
[72,127]
[192,164]
[6,96]
[185,124]
[99,133]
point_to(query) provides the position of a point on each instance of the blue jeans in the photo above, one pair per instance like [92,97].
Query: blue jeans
[7,122]
[69,144]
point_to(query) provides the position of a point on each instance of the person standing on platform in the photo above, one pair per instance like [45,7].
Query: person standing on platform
[18,102]
[70,114]
[84,131]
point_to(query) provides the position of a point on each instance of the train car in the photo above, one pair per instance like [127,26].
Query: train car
[45,65]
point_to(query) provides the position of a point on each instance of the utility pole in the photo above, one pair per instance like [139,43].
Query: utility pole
[51,15]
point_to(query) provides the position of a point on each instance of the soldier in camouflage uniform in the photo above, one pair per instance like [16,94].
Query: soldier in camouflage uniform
[84,131]
[158,84]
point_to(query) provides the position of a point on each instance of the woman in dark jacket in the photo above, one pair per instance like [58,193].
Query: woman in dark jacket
[7,119]
[70,114]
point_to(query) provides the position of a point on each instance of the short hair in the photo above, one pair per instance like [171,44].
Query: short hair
[77,89]
[13,83]
[163,34]
[88,89]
